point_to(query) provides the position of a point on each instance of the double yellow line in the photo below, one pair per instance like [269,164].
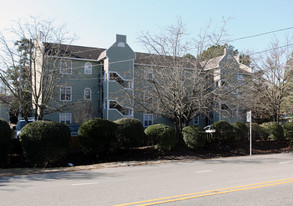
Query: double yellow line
[208,193]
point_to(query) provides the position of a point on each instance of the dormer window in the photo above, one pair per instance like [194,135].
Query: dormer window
[88,68]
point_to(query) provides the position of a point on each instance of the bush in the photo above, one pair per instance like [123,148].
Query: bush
[130,132]
[258,132]
[97,136]
[224,132]
[5,142]
[45,143]
[288,130]
[240,131]
[274,130]
[194,137]
[164,135]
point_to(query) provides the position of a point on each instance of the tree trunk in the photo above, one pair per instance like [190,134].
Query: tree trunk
[178,132]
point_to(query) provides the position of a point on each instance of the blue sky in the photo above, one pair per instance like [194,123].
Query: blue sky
[97,22]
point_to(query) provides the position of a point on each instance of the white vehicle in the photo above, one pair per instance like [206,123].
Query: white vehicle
[20,124]
[208,129]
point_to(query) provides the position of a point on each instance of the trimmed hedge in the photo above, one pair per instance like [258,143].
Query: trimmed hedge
[288,130]
[224,132]
[97,136]
[274,130]
[240,131]
[130,132]
[45,143]
[258,132]
[164,135]
[194,137]
[5,142]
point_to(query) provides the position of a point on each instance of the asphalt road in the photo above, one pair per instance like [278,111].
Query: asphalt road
[257,180]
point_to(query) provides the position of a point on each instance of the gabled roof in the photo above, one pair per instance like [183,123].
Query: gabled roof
[93,53]
[160,60]
[143,58]
[245,68]
[81,52]
[73,51]
[211,63]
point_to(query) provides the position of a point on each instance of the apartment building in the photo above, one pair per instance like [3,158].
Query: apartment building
[98,82]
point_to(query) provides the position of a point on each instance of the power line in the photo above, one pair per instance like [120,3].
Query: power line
[263,51]
[260,34]
[233,40]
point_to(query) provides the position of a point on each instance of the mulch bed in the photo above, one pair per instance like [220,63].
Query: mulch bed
[143,156]
[183,153]
[180,153]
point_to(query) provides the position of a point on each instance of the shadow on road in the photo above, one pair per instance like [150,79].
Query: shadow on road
[22,180]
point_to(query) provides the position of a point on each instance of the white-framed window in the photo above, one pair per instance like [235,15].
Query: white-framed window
[66,93]
[88,68]
[87,94]
[65,118]
[148,119]
[66,67]
[196,120]
[149,74]
[223,83]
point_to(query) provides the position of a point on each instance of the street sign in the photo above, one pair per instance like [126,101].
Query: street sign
[248,116]
[248,119]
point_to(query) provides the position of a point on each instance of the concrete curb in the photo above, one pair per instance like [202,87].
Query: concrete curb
[31,171]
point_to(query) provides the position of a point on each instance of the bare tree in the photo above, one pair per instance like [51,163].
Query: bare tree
[175,85]
[28,67]
[83,111]
[275,73]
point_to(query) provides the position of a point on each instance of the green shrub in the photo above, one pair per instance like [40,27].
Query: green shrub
[164,135]
[5,142]
[258,132]
[274,130]
[45,143]
[194,137]
[97,136]
[130,132]
[288,130]
[240,131]
[224,132]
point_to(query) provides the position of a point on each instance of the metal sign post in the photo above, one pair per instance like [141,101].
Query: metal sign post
[248,117]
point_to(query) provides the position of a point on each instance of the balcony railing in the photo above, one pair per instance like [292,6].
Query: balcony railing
[123,110]
[124,83]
